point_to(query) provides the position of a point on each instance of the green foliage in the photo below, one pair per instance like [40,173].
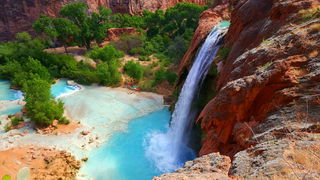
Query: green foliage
[60,30]
[144,58]
[213,70]
[30,69]
[6,177]
[92,26]
[178,47]
[128,42]
[162,74]
[21,49]
[138,51]
[23,37]
[223,52]
[310,14]
[266,41]
[134,70]
[157,44]
[40,107]
[210,3]
[7,127]
[126,20]
[108,73]
[16,120]
[265,66]
[64,120]
[106,53]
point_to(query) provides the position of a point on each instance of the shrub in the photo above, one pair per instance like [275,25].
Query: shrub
[161,75]
[134,70]
[138,51]
[128,42]
[108,73]
[223,52]
[64,120]
[41,108]
[6,177]
[310,14]
[16,120]
[7,127]
[144,58]
[106,53]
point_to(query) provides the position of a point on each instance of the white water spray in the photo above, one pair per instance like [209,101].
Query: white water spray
[169,151]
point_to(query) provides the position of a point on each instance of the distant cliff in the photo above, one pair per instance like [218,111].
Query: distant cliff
[18,15]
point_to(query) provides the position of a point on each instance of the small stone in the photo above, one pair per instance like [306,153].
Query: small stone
[84,159]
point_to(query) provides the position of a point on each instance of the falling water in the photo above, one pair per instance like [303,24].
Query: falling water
[169,151]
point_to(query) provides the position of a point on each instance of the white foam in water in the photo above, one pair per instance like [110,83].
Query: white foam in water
[62,89]
[169,151]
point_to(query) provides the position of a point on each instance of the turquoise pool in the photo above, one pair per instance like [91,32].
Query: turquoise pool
[61,88]
[224,24]
[8,94]
[123,156]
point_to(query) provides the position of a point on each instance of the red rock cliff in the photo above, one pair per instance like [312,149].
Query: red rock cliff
[272,49]
[265,115]
[18,15]
[208,19]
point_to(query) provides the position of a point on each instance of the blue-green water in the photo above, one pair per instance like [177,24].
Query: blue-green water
[123,156]
[224,24]
[62,88]
[11,110]
[8,94]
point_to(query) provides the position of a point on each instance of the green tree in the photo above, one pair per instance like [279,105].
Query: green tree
[93,26]
[134,70]
[40,106]
[106,53]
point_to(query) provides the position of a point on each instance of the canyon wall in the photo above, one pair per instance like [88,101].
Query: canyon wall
[18,15]
[266,112]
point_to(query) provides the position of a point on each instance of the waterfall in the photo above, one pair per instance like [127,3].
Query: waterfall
[170,150]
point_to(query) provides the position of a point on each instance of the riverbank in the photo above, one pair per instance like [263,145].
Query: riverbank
[96,113]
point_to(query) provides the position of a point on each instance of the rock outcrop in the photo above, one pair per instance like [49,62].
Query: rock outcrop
[18,15]
[265,115]
[270,66]
[44,163]
[208,19]
[213,166]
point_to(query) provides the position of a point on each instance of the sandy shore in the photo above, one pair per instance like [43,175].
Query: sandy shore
[96,113]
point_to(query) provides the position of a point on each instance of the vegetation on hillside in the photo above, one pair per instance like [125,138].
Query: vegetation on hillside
[163,35]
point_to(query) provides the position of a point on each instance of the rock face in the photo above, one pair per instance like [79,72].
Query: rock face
[213,166]
[270,66]
[43,163]
[265,115]
[18,15]
[208,19]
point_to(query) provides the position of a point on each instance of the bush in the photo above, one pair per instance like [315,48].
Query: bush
[7,127]
[161,75]
[128,42]
[106,53]
[223,52]
[144,58]
[16,120]
[41,108]
[138,51]
[64,120]
[134,70]
[108,74]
